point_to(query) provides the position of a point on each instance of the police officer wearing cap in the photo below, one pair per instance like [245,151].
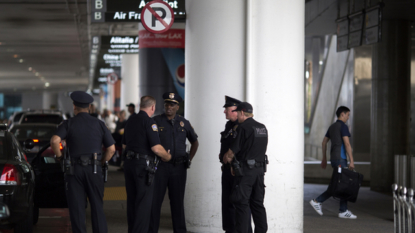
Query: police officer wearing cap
[142,144]
[248,161]
[227,138]
[84,135]
[173,131]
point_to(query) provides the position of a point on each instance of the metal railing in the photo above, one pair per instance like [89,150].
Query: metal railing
[403,209]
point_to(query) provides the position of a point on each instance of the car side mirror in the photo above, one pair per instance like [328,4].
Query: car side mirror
[28,144]
[4,211]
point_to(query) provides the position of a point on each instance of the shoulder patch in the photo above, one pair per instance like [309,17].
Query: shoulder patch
[260,131]
[154,127]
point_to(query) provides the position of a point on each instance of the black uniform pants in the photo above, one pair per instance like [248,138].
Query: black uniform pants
[84,183]
[174,178]
[249,192]
[139,195]
[228,209]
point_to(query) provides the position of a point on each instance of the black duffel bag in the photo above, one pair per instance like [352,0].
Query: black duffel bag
[345,184]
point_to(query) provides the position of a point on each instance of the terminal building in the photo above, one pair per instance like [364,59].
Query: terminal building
[295,61]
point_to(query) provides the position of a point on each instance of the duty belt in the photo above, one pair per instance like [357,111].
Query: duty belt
[86,162]
[134,155]
[252,163]
[178,160]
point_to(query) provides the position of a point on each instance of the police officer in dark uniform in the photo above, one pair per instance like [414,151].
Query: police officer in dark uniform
[142,145]
[173,131]
[227,138]
[84,135]
[248,160]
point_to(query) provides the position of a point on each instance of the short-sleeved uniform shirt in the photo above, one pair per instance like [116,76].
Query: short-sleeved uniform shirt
[84,135]
[336,132]
[227,137]
[140,134]
[173,134]
[251,141]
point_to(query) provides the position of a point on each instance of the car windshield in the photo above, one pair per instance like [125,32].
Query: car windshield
[42,118]
[17,117]
[22,132]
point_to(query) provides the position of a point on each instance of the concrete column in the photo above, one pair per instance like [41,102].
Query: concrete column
[270,63]
[275,54]
[50,100]
[390,101]
[215,67]
[110,97]
[129,81]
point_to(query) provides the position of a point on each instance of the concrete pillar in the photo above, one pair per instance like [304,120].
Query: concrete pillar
[270,63]
[50,100]
[215,67]
[275,53]
[129,81]
[390,101]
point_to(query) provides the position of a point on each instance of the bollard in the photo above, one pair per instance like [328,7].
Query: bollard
[397,181]
[395,208]
[412,172]
[404,210]
[399,208]
[411,207]
[403,163]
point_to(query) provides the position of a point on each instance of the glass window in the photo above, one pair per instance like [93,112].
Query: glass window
[41,118]
[22,132]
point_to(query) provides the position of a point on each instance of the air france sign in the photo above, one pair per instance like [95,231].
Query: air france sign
[129,10]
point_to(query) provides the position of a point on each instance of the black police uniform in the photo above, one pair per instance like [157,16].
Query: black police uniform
[172,174]
[85,135]
[140,134]
[227,138]
[250,147]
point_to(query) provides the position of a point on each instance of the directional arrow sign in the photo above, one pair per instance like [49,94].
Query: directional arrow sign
[157,16]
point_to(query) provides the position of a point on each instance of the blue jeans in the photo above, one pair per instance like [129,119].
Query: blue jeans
[326,195]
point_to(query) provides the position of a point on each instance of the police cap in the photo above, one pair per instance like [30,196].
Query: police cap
[171,97]
[81,99]
[244,106]
[229,102]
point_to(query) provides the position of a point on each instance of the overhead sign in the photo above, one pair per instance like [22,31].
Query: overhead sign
[119,44]
[373,25]
[356,29]
[342,34]
[158,17]
[129,10]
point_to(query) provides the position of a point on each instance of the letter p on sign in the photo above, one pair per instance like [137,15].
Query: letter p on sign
[157,16]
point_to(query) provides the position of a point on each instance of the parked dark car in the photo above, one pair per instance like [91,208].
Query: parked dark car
[16,184]
[42,116]
[39,133]
[50,185]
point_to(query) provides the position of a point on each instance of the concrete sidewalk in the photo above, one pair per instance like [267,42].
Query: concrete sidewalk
[374,212]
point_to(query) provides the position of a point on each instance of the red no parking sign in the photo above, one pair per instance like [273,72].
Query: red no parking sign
[157,16]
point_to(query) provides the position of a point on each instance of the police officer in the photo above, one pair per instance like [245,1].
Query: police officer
[142,144]
[227,137]
[248,160]
[174,130]
[84,135]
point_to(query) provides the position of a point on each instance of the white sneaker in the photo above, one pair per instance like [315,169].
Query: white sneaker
[317,207]
[347,214]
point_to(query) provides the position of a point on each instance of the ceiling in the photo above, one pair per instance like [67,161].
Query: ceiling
[47,42]
[44,44]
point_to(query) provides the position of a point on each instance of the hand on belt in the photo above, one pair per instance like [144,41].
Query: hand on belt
[133,155]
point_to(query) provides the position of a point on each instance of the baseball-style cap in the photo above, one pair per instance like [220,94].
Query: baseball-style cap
[244,106]
[229,101]
[172,97]
[131,105]
[81,99]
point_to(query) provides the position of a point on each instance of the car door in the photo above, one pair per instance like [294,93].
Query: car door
[50,184]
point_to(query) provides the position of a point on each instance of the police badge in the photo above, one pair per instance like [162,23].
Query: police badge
[171,95]
[181,123]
